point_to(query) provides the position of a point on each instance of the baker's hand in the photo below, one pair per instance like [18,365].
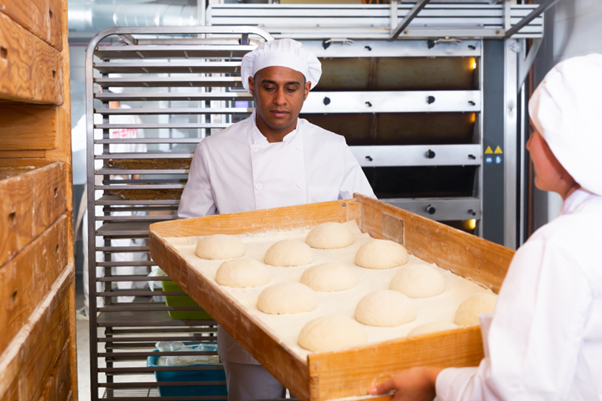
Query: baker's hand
[416,384]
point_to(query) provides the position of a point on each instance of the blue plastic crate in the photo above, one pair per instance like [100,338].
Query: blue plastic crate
[188,376]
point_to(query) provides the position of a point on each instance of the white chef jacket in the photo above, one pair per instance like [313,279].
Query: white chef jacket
[544,340]
[238,170]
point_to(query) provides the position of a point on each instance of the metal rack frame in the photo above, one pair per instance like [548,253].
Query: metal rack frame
[128,331]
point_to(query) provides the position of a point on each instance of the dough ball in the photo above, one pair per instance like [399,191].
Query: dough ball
[287,298]
[287,253]
[381,254]
[330,236]
[469,311]
[332,332]
[385,308]
[242,273]
[332,276]
[432,327]
[418,281]
[219,247]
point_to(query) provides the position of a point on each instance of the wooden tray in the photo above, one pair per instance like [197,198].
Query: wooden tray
[349,372]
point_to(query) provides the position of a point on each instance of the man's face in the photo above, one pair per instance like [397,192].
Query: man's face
[279,94]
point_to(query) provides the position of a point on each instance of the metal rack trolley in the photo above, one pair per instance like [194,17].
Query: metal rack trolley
[169,74]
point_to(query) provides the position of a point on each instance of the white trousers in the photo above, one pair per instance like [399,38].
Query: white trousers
[251,382]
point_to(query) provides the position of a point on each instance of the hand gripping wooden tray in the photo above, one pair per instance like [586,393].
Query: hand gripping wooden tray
[348,372]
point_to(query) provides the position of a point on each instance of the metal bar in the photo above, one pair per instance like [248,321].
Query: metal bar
[174,111]
[134,308]
[525,65]
[138,339]
[133,278]
[534,14]
[160,126]
[162,384]
[160,82]
[131,96]
[149,155]
[160,369]
[420,4]
[193,330]
[138,186]
[126,263]
[510,143]
[157,353]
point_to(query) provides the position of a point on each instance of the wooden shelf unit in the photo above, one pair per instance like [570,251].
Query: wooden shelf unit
[38,357]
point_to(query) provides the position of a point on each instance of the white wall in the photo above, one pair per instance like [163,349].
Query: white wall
[577,28]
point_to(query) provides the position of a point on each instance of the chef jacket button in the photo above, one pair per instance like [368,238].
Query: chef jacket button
[254,148]
[300,185]
[298,146]
[258,186]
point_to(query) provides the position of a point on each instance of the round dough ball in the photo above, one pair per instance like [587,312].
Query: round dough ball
[381,254]
[242,273]
[432,327]
[332,332]
[287,298]
[219,247]
[385,308]
[330,236]
[469,311]
[332,276]
[287,253]
[418,281]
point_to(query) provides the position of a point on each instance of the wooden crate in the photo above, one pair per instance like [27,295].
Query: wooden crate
[30,69]
[33,197]
[350,372]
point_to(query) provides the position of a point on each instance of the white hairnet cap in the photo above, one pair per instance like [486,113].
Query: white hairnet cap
[566,108]
[281,53]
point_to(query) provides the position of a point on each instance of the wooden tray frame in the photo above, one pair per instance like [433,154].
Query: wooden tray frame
[349,372]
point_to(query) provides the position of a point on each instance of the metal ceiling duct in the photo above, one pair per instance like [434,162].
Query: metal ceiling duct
[93,17]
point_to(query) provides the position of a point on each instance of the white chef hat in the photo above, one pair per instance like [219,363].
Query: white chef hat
[281,53]
[566,108]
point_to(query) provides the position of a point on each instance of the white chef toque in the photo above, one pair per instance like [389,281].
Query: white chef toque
[281,53]
[566,109]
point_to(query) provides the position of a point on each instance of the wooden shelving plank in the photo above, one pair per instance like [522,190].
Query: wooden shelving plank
[30,69]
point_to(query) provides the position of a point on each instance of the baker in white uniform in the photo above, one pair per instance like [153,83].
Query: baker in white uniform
[272,159]
[544,340]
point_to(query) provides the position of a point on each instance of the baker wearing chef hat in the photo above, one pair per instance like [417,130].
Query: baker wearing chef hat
[544,340]
[271,159]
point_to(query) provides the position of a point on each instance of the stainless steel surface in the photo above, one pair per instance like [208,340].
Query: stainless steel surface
[407,19]
[418,155]
[546,4]
[392,102]
[510,143]
[441,209]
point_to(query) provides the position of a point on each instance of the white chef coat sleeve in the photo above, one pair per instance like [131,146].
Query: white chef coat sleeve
[139,147]
[197,198]
[536,333]
[354,179]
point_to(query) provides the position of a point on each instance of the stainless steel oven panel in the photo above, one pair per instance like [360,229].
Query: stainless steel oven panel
[441,209]
[418,155]
[393,102]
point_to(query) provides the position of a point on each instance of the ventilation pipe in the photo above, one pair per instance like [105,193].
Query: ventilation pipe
[92,17]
